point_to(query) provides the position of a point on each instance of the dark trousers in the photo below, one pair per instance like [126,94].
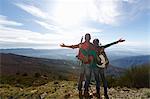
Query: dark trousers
[99,72]
[85,74]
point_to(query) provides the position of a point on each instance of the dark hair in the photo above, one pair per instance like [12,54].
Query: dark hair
[95,41]
[87,35]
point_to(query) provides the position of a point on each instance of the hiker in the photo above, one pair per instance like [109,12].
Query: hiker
[98,69]
[85,60]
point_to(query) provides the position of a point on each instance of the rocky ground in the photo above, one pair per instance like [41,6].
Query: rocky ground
[67,90]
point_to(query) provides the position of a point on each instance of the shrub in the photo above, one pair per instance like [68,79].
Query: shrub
[136,76]
[17,73]
[24,74]
[37,75]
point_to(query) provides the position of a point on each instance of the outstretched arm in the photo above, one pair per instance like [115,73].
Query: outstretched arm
[116,42]
[70,46]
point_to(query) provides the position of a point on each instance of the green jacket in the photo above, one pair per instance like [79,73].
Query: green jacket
[91,53]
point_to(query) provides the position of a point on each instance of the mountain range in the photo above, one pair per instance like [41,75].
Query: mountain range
[119,58]
[12,64]
[131,61]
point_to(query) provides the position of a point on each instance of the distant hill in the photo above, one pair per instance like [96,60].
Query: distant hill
[114,70]
[131,61]
[12,63]
[119,58]
[67,54]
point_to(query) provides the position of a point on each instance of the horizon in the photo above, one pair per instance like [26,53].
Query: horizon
[108,50]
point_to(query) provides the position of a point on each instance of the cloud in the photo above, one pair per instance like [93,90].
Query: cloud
[114,12]
[6,22]
[35,11]
[132,9]
[27,38]
[47,25]
[68,21]
[69,13]
[21,35]
[74,11]
[67,31]
[104,11]
[15,37]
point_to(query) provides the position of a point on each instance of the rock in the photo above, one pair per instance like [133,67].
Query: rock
[66,89]
[45,77]
[42,96]
[67,96]
[126,89]
[56,82]
[63,85]
[121,91]
[33,91]
[10,97]
[20,89]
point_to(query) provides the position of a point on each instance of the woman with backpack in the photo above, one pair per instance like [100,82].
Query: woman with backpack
[100,65]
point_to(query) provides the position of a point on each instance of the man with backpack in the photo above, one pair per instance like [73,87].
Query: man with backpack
[99,66]
[86,59]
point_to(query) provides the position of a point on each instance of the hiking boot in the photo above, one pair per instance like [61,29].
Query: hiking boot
[98,95]
[106,96]
[80,95]
[86,94]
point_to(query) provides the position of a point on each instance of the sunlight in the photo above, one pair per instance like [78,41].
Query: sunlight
[70,13]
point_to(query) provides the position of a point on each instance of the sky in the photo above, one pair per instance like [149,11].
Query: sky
[45,24]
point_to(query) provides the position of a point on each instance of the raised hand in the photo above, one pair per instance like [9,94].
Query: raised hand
[121,40]
[62,45]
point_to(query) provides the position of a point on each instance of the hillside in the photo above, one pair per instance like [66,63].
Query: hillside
[119,58]
[68,90]
[41,78]
[23,71]
[29,64]
[131,61]
[12,64]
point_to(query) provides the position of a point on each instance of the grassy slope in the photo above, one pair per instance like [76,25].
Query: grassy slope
[66,89]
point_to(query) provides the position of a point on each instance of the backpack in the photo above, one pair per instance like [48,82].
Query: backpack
[84,53]
[102,59]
